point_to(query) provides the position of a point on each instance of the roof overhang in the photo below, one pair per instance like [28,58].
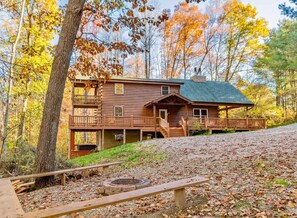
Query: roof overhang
[231,104]
[162,99]
[83,79]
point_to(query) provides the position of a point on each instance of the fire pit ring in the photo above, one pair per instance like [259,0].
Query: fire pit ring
[118,185]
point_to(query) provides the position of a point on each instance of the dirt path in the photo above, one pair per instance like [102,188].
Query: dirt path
[253,174]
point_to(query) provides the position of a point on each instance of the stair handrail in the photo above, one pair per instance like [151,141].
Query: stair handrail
[184,125]
[165,126]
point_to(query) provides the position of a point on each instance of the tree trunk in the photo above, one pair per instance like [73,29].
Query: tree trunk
[46,148]
[23,116]
[10,83]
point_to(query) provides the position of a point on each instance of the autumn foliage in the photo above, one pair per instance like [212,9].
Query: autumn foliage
[93,53]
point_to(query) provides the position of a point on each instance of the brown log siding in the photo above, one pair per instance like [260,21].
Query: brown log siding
[134,98]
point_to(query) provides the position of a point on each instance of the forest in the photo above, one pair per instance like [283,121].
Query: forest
[225,40]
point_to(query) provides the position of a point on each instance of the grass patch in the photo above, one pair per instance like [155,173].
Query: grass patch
[129,154]
[242,204]
[283,124]
[281,182]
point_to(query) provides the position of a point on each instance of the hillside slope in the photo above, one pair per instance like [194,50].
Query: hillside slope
[252,174]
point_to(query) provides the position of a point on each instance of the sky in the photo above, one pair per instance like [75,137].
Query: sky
[267,9]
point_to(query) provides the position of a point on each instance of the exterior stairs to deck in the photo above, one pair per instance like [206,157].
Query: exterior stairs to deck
[176,132]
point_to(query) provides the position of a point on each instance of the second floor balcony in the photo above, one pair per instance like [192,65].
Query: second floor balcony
[85,100]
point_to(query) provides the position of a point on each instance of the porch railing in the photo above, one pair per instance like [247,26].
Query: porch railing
[110,121]
[85,99]
[227,123]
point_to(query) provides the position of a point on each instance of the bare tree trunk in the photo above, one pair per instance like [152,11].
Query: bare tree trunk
[46,148]
[22,121]
[10,83]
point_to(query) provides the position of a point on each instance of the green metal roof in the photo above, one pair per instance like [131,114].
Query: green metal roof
[212,91]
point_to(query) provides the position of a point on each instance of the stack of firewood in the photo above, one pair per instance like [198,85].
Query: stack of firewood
[20,187]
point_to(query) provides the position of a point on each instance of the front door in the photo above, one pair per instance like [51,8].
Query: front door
[163,114]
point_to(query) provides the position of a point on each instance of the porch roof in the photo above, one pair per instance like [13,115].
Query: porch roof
[164,97]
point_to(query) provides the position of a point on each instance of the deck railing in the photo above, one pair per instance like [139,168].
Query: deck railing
[191,123]
[227,123]
[85,99]
[110,121]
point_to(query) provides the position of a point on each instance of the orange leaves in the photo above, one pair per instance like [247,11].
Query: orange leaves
[130,13]
[88,46]
[96,42]
[182,37]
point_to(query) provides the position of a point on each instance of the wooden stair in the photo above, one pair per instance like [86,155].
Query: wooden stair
[176,132]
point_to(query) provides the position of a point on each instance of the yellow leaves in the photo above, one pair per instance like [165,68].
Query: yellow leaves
[291,204]
[294,194]
[243,19]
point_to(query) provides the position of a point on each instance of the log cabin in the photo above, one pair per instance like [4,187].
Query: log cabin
[124,110]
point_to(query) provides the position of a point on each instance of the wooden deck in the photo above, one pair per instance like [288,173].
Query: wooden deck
[148,123]
[109,122]
[226,123]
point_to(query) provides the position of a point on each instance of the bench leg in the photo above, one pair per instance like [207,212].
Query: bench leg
[180,198]
[63,179]
[105,170]
[85,173]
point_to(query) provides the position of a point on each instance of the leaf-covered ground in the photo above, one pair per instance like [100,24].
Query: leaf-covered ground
[252,174]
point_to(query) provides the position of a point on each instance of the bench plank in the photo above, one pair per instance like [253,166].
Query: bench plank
[37,175]
[117,198]
[10,205]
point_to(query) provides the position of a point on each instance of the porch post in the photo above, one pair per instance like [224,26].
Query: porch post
[98,140]
[96,90]
[141,133]
[72,98]
[72,141]
[155,121]
[124,136]
[227,116]
[102,138]
[187,116]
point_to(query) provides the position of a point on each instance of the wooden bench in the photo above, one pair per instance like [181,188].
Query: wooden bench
[10,206]
[178,187]
[63,172]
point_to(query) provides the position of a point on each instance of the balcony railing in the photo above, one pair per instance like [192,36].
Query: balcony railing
[226,123]
[85,99]
[110,121]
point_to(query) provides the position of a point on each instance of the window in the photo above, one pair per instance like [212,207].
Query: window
[118,111]
[200,113]
[165,90]
[119,88]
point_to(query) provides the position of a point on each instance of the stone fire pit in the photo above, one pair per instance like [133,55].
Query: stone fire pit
[118,185]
